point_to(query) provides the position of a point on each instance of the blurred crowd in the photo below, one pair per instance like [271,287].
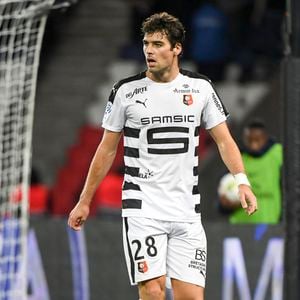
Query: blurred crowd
[219,32]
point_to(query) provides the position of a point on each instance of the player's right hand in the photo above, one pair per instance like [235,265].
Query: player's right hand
[78,215]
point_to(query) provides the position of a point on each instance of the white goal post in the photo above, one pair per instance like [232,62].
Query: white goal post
[22,24]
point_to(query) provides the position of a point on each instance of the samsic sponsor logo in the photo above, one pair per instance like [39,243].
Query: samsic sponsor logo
[136,91]
[168,119]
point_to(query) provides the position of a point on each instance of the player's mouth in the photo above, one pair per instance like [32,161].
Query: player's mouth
[151,62]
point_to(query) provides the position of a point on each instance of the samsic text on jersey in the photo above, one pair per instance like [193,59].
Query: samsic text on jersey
[161,124]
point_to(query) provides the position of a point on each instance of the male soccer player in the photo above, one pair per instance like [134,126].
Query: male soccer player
[159,112]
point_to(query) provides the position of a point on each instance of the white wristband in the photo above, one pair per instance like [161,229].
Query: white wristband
[241,178]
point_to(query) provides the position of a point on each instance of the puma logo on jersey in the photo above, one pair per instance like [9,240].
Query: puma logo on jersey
[141,102]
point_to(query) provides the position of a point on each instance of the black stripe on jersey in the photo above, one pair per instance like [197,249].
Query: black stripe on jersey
[121,82]
[194,75]
[196,187]
[196,151]
[132,132]
[129,251]
[131,152]
[132,203]
[197,75]
[132,171]
[196,190]
[196,171]
[168,151]
[131,186]
[179,140]
[197,208]
[197,131]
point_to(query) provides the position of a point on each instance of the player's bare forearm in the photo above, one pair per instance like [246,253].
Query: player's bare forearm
[228,149]
[231,156]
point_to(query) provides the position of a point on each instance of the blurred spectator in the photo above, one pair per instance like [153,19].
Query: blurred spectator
[262,158]
[210,45]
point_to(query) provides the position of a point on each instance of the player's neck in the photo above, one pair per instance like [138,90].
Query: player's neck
[165,75]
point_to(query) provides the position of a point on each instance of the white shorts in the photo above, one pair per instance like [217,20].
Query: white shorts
[154,248]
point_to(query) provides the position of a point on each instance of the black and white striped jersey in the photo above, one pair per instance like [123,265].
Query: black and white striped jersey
[161,124]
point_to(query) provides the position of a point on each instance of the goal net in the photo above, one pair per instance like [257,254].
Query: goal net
[22,24]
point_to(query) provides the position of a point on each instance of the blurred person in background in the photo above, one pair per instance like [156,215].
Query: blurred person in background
[160,111]
[263,158]
[210,43]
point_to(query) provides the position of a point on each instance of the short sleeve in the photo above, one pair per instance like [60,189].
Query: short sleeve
[114,115]
[214,111]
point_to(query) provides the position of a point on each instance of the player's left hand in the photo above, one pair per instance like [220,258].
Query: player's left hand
[247,199]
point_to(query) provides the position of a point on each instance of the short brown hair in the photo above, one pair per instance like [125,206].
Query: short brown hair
[165,23]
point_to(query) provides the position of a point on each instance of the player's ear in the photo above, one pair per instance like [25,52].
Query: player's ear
[177,49]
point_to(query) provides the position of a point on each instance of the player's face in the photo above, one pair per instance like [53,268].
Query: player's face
[159,54]
[255,139]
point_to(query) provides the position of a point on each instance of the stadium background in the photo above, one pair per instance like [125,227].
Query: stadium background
[82,58]
[85,50]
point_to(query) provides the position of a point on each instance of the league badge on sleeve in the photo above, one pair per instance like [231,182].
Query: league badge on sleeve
[108,110]
[188,99]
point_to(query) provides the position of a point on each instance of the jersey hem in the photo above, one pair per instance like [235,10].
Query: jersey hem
[111,128]
[216,123]
[191,219]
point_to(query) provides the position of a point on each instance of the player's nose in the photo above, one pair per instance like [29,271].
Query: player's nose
[148,49]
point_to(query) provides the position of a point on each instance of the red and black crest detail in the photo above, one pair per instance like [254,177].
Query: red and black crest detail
[142,267]
[188,99]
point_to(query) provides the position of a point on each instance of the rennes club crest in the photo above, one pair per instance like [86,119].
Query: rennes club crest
[187,99]
[142,267]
